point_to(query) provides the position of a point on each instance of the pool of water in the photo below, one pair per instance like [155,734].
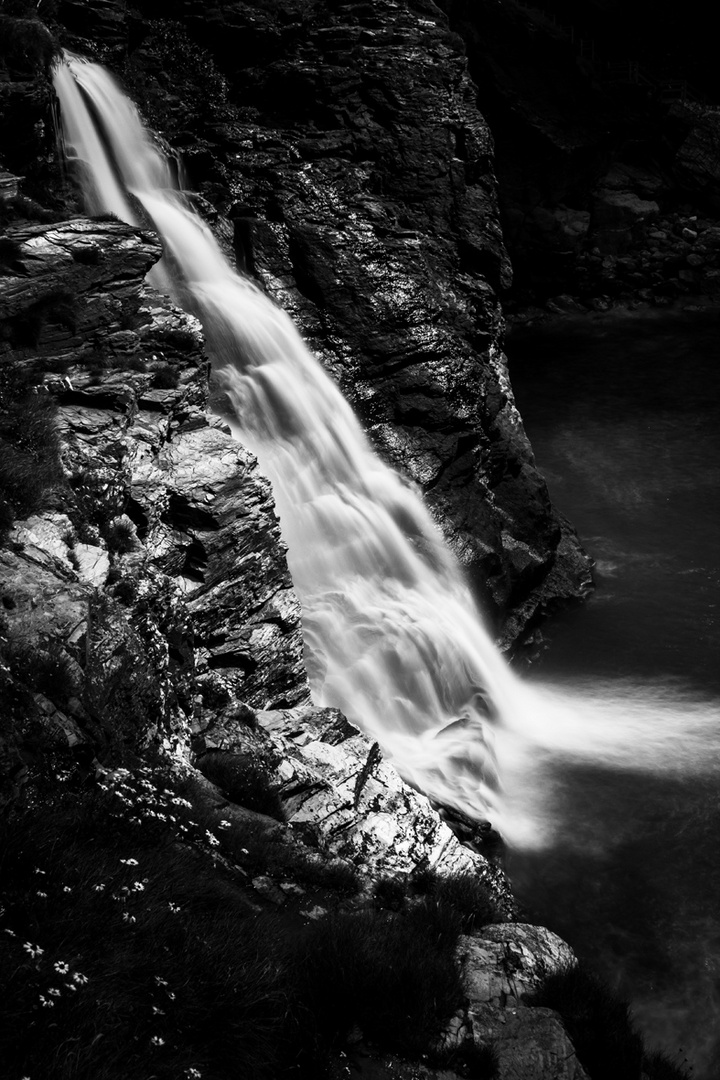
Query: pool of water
[623,411]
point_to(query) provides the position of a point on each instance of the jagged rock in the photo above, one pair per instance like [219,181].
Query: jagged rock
[68,260]
[92,564]
[202,519]
[385,828]
[47,538]
[41,600]
[8,185]
[531,1044]
[618,216]
[211,524]
[503,964]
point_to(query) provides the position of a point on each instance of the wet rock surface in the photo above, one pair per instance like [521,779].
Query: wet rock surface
[162,535]
[344,800]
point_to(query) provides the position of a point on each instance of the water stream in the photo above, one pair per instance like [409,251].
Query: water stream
[394,635]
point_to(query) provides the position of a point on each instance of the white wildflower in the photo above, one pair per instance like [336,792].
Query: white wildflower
[61,967]
[129,862]
[33,950]
[157,1041]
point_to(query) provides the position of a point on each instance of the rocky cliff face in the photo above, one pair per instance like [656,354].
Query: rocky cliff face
[147,605]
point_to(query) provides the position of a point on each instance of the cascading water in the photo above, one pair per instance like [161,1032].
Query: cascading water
[392,631]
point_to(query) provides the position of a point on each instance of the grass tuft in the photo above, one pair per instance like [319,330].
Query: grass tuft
[244,779]
[465,893]
[392,976]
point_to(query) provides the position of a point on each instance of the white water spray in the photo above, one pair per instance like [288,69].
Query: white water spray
[393,633]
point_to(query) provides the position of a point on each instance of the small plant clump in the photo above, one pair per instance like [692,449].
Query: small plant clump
[466,894]
[120,536]
[166,377]
[43,669]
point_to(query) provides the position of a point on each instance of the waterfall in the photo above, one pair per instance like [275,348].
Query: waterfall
[393,634]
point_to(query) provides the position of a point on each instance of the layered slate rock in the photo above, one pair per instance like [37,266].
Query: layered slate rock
[158,556]
[341,797]
[211,524]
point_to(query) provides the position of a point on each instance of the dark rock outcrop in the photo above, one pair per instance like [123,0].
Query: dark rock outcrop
[194,582]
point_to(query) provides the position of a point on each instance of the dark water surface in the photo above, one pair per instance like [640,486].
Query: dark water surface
[623,411]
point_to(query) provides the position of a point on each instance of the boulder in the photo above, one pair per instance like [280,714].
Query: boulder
[502,966]
[618,218]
